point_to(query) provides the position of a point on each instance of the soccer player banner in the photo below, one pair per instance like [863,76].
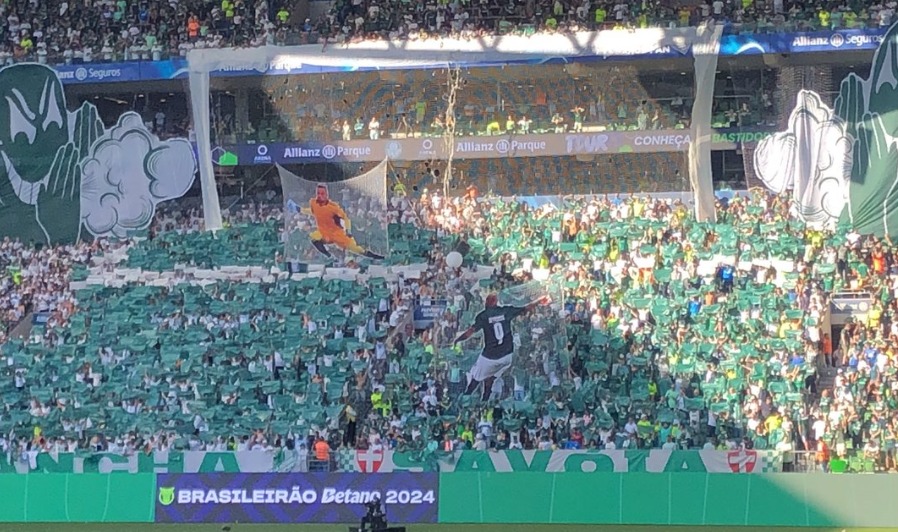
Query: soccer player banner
[326,222]
[515,335]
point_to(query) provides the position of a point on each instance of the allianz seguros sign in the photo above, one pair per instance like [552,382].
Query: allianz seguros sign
[97,74]
[837,40]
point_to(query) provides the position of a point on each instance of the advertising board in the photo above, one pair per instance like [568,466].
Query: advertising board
[294,497]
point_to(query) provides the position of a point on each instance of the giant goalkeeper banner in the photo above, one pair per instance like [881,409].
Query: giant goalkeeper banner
[335,221]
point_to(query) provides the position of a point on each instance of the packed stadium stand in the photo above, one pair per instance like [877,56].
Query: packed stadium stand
[663,350]
[680,333]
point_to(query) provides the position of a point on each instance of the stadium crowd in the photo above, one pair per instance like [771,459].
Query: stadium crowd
[679,334]
[519,101]
[64,32]
[405,20]
[36,281]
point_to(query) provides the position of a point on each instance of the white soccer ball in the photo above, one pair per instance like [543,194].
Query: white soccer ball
[454,259]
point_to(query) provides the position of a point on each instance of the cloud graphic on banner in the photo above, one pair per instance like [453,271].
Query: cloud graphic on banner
[813,158]
[127,173]
[62,171]
[774,159]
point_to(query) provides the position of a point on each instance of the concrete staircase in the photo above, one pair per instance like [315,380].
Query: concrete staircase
[826,379]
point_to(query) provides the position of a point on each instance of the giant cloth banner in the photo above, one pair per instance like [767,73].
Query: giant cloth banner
[573,461]
[841,164]
[514,336]
[65,176]
[325,221]
[372,461]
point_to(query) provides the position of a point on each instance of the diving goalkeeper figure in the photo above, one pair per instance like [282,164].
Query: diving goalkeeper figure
[334,227]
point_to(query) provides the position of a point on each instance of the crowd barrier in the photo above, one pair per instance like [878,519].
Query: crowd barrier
[797,500]
[364,461]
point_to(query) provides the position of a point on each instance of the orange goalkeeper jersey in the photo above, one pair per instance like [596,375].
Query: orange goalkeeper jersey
[329,216]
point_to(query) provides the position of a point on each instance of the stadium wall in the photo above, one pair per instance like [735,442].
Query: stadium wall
[70,498]
[796,500]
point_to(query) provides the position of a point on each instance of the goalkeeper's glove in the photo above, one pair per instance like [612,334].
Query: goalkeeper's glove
[343,222]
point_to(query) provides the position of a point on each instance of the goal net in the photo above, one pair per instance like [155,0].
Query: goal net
[325,220]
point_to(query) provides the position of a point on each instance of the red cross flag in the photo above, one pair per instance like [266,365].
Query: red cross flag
[742,461]
[369,461]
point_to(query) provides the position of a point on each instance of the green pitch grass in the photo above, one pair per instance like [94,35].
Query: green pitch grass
[415,528]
